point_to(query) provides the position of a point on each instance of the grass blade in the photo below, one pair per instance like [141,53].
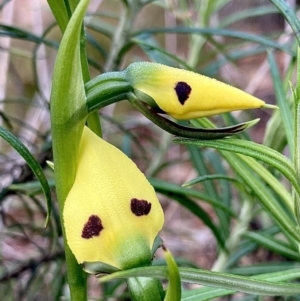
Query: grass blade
[251,149]
[289,15]
[283,103]
[257,284]
[33,164]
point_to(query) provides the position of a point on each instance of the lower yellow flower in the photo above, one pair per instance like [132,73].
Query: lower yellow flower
[111,214]
[184,94]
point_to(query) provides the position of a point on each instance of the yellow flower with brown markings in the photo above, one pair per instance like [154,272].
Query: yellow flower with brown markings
[184,94]
[111,214]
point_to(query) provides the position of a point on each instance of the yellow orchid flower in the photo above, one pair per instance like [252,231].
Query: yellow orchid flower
[111,214]
[184,94]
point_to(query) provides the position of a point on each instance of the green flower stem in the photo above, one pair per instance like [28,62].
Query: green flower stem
[145,289]
[106,89]
[93,120]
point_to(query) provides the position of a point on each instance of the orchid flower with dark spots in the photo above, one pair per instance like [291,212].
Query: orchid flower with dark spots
[184,94]
[111,214]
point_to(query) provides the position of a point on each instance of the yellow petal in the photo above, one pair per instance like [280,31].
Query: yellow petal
[111,214]
[184,94]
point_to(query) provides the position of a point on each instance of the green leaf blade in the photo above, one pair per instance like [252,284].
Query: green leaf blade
[262,285]
[284,105]
[251,149]
[32,163]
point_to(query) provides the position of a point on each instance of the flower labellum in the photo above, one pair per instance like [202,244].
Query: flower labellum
[184,94]
[111,214]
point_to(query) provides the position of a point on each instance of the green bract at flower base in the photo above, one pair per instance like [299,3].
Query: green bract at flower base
[111,214]
[173,292]
[188,132]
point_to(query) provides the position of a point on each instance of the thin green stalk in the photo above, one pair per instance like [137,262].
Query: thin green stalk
[282,101]
[121,35]
[93,120]
[238,230]
[158,159]
[297,121]
[118,42]
[296,157]
[290,15]
[297,140]
[105,89]
[145,289]
[111,64]
[197,41]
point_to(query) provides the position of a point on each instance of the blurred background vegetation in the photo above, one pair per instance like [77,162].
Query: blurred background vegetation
[225,39]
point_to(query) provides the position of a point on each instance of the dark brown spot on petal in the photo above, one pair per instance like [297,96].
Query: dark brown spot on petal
[92,227]
[140,207]
[183,91]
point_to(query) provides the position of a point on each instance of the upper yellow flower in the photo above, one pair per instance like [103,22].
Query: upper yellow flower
[111,214]
[184,94]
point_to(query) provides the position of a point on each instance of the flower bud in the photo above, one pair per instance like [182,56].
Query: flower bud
[184,94]
[111,214]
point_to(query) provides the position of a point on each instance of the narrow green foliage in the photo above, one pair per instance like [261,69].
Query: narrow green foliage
[173,189]
[210,178]
[275,137]
[33,164]
[273,244]
[252,149]
[296,153]
[250,12]
[289,15]
[282,101]
[200,164]
[264,195]
[250,285]
[60,11]
[174,288]
[18,33]
[218,32]
[208,293]
[271,181]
